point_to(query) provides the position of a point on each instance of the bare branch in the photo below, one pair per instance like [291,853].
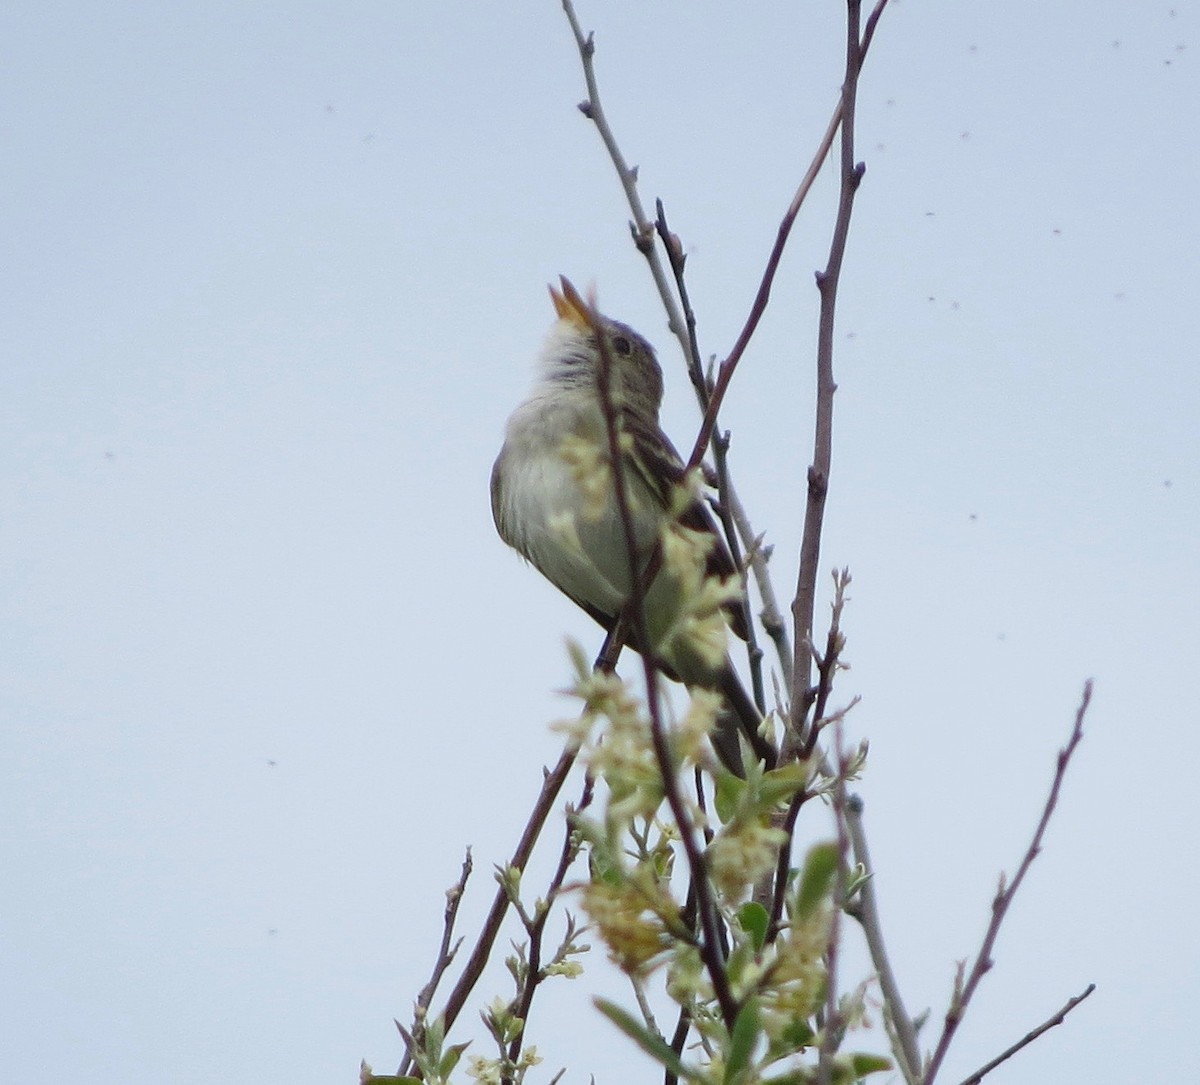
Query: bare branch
[866,911]
[537,929]
[1029,1037]
[681,322]
[1004,896]
[759,306]
[833,1024]
[818,473]
[480,955]
[445,956]
[641,227]
[771,616]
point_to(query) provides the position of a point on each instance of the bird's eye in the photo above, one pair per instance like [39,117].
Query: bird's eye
[622,346]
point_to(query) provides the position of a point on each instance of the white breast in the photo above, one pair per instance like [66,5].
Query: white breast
[539,507]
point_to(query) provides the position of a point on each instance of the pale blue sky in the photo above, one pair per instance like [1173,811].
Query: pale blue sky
[274,276]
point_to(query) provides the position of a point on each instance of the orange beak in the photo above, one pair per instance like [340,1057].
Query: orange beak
[570,305]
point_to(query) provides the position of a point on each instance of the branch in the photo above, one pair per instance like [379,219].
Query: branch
[1005,894]
[641,227]
[759,306]
[818,473]
[828,665]
[866,911]
[1029,1037]
[720,445]
[537,929]
[681,322]
[833,1024]
[636,608]
[770,615]
[473,969]
[445,956]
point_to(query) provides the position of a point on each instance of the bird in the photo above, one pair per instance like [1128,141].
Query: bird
[553,502]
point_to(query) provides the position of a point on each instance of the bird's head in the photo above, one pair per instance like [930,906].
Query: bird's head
[572,354]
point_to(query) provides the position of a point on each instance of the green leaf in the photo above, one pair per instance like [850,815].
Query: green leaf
[820,866]
[742,1041]
[435,1034]
[651,1043]
[603,869]
[729,794]
[754,920]
[796,1035]
[391,1079]
[869,1064]
[782,783]
[450,1059]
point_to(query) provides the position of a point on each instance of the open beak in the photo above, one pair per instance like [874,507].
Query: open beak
[570,305]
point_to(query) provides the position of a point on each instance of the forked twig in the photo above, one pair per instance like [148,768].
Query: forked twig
[1004,896]
[1056,1019]
[679,319]
[851,173]
[537,929]
[446,953]
[759,306]
[481,954]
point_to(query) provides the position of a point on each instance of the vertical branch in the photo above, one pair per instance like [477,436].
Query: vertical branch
[763,296]
[818,472]
[833,1025]
[866,910]
[709,946]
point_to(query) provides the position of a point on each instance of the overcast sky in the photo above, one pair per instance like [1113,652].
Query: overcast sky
[274,276]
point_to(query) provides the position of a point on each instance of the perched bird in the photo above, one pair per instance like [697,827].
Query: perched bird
[554,503]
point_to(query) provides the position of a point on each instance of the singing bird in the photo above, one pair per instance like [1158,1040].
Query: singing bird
[553,513]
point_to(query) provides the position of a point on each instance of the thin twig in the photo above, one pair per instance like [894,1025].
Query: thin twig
[833,1024]
[537,930]
[481,954]
[636,607]
[677,259]
[681,322]
[445,956]
[683,1026]
[720,447]
[1029,1037]
[641,228]
[1004,896]
[828,665]
[770,615]
[866,911]
[759,305]
[783,861]
[818,473]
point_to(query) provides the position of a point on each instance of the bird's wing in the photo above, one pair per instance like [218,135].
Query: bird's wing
[660,468]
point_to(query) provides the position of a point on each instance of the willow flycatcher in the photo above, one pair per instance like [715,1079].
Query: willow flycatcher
[553,501]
